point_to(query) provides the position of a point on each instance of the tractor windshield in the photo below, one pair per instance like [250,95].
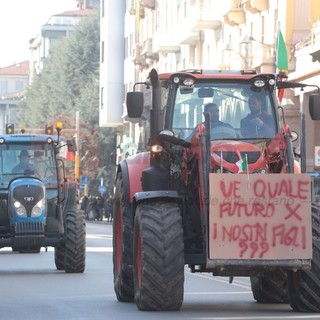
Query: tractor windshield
[27,160]
[237,110]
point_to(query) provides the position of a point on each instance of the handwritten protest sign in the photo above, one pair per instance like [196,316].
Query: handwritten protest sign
[260,216]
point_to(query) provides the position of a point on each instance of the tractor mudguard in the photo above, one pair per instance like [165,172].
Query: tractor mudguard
[152,195]
[131,169]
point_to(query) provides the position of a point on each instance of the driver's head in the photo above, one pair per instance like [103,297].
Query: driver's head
[24,156]
[255,105]
[213,109]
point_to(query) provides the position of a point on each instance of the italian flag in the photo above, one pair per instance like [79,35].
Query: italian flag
[241,165]
[281,61]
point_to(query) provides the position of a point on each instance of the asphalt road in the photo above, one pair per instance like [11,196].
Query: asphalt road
[31,288]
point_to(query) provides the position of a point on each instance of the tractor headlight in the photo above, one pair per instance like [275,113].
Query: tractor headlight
[156,148]
[20,209]
[37,209]
[259,83]
[188,82]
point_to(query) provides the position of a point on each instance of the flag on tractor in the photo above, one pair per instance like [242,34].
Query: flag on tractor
[281,61]
[241,165]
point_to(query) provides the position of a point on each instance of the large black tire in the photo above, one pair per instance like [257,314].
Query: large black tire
[59,253]
[270,287]
[75,242]
[304,285]
[158,269]
[122,243]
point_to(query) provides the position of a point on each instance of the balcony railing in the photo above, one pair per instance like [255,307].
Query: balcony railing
[311,43]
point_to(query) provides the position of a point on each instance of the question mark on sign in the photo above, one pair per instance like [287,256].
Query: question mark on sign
[244,246]
[265,247]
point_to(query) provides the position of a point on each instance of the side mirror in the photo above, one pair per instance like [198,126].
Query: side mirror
[135,104]
[314,106]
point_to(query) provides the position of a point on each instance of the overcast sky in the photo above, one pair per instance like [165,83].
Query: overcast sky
[21,20]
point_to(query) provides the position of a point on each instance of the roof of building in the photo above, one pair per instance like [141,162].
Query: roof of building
[81,12]
[20,68]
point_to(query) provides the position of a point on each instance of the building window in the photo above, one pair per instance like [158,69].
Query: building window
[102,8]
[102,51]
[18,85]
[101,98]
[3,87]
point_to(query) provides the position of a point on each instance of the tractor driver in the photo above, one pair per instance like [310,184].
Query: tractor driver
[219,129]
[257,123]
[24,166]
[214,111]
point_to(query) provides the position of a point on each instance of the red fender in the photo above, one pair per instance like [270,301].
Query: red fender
[136,164]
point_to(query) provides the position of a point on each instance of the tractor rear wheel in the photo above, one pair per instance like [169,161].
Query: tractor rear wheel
[122,244]
[158,269]
[59,254]
[270,287]
[304,285]
[75,242]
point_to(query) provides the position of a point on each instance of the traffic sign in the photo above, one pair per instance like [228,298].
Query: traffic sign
[102,189]
[314,174]
[85,180]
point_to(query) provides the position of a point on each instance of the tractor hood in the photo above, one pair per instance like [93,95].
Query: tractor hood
[27,200]
[227,153]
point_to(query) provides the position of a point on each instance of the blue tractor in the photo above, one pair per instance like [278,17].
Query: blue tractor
[37,201]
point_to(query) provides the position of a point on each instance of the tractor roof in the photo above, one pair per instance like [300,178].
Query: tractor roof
[26,138]
[201,74]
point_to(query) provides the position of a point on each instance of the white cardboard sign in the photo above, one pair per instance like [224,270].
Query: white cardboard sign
[260,216]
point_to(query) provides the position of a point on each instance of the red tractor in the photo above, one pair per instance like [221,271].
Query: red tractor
[219,191]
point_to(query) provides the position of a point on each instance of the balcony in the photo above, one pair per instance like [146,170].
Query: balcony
[307,54]
[311,44]
[147,51]
[255,6]
[235,17]
[263,57]
[164,43]
[149,4]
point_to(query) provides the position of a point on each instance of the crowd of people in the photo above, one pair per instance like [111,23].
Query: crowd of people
[95,208]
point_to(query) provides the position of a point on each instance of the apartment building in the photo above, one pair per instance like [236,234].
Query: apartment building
[234,34]
[14,79]
[56,28]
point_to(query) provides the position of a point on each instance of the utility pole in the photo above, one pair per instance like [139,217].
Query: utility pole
[77,153]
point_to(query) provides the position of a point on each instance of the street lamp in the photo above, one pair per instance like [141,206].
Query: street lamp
[246,41]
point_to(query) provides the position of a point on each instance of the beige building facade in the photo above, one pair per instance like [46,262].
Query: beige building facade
[211,34]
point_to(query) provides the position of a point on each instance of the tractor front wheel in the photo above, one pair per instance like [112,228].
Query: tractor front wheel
[158,269]
[75,242]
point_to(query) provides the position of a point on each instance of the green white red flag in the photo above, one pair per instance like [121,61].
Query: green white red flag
[241,165]
[281,61]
